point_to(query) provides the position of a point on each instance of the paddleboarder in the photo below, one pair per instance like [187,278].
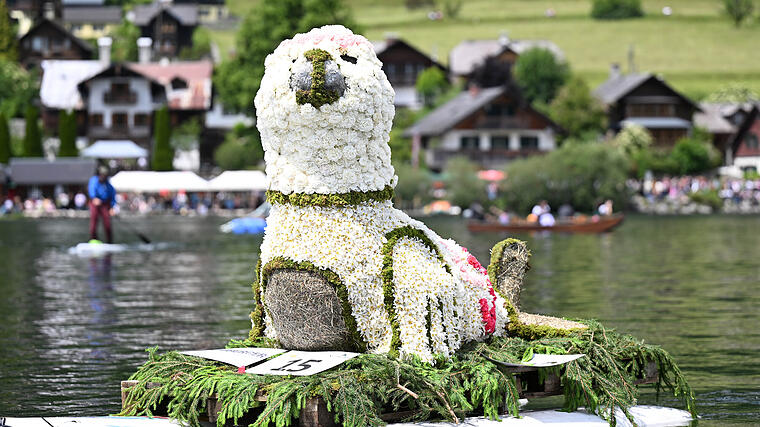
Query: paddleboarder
[102,200]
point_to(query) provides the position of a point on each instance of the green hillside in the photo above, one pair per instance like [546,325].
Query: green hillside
[697,49]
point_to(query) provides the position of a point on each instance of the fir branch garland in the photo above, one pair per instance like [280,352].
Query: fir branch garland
[358,391]
[351,198]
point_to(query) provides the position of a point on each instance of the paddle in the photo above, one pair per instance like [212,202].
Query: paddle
[132,229]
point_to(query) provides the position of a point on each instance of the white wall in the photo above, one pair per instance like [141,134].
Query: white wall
[140,86]
[747,161]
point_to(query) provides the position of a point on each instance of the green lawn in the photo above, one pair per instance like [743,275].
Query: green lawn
[697,49]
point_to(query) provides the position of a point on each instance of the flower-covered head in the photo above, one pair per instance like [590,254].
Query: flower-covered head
[324,111]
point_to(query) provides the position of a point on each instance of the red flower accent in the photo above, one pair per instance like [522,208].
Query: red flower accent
[489,315]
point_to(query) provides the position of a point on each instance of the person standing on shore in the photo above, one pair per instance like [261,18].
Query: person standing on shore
[102,200]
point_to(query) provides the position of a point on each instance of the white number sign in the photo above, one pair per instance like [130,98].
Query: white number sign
[546,360]
[301,363]
[237,356]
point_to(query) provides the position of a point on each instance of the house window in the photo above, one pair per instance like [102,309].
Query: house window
[390,71]
[499,143]
[469,142]
[168,27]
[651,110]
[751,141]
[120,120]
[141,119]
[529,143]
[39,43]
[96,119]
[178,83]
[97,27]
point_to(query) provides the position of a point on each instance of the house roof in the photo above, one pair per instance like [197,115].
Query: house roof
[60,79]
[40,171]
[186,14]
[197,75]
[46,22]
[383,45]
[449,114]
[92,14]
[67,3]
[713,119]
[465,57]
[617,87]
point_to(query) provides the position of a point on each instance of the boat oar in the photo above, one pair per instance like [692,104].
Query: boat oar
[132,229]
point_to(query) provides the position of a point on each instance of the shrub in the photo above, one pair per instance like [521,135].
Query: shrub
[463,187]
[576,111]
[241,149]
[163,154]
[582,175]
[738,10]
[5,140]
[33,135]
[616,9]
[431,83]
[67,133]
[693,155]
[414,184]
[707,197]
[540,74]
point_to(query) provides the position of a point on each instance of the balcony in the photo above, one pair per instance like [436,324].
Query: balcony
[120,98]
[489,159]
[119,132]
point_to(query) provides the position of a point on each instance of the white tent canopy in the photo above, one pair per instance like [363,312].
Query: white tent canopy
[154,182]
[239,181]
[117,149]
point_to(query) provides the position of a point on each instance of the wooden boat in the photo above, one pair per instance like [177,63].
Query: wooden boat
[594,224]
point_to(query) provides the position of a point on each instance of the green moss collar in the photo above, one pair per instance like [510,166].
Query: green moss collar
[339,200]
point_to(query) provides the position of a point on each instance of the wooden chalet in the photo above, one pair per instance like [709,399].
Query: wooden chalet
[489,126]
[745,146]
[646,100]
[170,26]
[49,40]
[402,64]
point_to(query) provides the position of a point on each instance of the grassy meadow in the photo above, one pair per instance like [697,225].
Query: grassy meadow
[697,49]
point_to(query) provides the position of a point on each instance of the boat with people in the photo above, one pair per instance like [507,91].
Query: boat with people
[577,224]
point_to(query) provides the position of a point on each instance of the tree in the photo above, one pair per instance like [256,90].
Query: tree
[451,8]
[201,47]
[577,111]
[493,72]
[540,74]
[124,47]
[413,188]
[67,133]
[33,135]
[463,187]
[263,28]
[582,175]
[17,88]
[163,154]
[616,9]
[185,136]
[5,140]
[7,34]
[694,154]
[738,10]
[734,93]
[431,83]
[241,149]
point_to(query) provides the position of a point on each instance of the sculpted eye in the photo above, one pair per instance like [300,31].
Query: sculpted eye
[348,58]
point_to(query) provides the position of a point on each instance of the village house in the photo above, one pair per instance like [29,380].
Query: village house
[402,64]
[490,126]
[467,57]
[170,26]
[118,100]
[26,13]
[646,100]
[745,145]
[210,12]
[721,121]
[49,40]
[90,20]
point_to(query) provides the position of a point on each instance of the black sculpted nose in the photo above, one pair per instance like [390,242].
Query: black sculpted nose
[319,82]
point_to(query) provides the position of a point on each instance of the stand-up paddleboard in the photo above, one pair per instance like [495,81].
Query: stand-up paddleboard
[644,416]
[95,248]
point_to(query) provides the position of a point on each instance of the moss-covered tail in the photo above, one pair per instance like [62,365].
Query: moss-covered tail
[318,95]
[389,291]
[281,263]
[509,262]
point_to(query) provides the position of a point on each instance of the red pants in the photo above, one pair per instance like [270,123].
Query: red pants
[100,211]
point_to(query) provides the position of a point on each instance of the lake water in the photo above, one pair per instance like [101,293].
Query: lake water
[72,328]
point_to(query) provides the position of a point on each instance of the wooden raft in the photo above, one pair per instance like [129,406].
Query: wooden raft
[315,413]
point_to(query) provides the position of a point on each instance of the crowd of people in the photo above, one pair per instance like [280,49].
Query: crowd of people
[735,190]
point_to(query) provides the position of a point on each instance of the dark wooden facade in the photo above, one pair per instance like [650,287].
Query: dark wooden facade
[49,40]
[746,143]
[506,112]
[169,35]
[403,63]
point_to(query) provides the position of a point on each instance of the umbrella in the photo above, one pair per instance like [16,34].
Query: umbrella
[491,175]
[117,149]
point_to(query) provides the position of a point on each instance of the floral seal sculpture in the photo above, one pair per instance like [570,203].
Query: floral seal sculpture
[341,268]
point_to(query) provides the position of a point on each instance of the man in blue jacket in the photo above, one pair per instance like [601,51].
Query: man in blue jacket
[102,200]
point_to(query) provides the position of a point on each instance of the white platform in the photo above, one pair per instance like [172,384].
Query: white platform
[645,416]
